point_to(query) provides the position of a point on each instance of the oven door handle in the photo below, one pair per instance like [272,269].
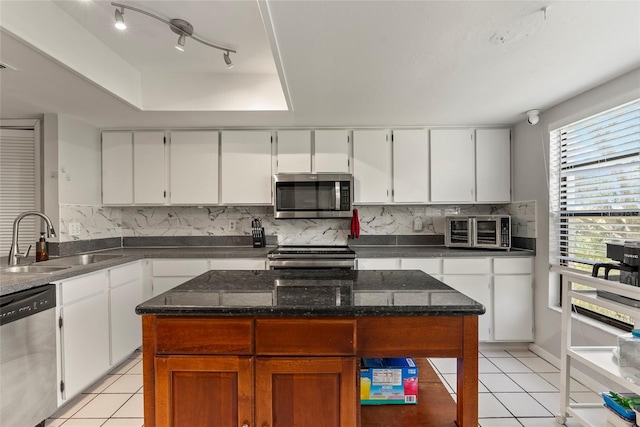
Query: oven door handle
[298,263]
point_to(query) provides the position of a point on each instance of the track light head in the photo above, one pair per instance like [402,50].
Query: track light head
[180,43]
[120,19]
[533,117]
[227,59]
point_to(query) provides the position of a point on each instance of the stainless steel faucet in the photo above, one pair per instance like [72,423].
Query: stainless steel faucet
[14,253]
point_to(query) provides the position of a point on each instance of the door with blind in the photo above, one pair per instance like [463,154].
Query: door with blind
[19,185]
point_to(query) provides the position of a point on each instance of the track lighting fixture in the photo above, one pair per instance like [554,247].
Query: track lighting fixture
[179,26]
[533,117]
[180,43]
[120,19]
[227,60]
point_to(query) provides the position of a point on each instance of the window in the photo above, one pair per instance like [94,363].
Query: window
[19,183]
[595,191]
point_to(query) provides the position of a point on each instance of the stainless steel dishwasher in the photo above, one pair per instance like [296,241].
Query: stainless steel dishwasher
[28,357]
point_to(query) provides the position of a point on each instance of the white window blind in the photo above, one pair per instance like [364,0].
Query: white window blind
[18,187]
[595,185]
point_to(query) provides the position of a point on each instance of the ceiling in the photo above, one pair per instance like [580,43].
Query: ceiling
[310,63]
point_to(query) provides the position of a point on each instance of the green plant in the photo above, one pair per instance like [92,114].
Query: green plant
[625,402]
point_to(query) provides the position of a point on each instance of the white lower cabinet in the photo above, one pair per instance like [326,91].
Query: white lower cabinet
[84,332]
[169,273]
[477,287]
[166,274]
[378,264]
[125,293]
[504,285]
[238,264]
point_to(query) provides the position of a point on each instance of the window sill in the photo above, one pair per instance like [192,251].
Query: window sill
[582,319]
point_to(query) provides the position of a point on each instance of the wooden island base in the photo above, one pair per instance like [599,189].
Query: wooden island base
[435,408]
[300,372]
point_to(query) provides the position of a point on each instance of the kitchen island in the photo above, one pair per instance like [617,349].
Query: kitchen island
[282,348]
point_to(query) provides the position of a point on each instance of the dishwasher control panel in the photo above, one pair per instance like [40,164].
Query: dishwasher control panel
[25,303]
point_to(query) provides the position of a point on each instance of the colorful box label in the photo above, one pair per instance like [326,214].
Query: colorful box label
[385,381]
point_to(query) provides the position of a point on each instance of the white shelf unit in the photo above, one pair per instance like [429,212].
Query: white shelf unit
[598,358]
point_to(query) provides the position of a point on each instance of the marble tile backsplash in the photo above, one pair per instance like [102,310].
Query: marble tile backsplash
[98,222]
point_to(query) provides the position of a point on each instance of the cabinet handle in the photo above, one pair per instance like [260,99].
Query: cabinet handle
[245,425]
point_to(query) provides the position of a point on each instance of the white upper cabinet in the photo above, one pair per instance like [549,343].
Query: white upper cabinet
[117,168]
[246,167]
[411,166]
[194,168]
[331,151]
[294,151]
[493,165]
[452,165]
[148,168]
[133,167]
[371,166]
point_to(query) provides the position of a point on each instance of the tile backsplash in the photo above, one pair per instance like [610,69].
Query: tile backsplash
[97,222]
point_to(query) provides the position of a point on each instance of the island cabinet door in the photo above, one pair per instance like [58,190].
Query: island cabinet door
[319,392]
[204,391]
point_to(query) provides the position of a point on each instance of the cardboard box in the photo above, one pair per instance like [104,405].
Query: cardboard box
[388,381]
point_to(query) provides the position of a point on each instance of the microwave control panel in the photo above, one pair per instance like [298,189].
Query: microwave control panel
[345,196]
[505,238]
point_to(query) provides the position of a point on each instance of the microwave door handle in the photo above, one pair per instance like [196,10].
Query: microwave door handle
[473,241]
[336,191]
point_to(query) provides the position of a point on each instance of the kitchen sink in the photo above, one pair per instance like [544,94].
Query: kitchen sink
[84,259]
[39,269]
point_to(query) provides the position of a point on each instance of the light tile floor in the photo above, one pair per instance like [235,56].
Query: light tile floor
[517,388]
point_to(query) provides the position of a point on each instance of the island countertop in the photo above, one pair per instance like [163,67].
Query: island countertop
[312,293]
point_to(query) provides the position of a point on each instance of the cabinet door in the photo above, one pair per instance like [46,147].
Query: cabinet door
[194,168]
[513,307]
[411,166]
[246,167]
[294,151]
[331,151]
[124,296]
[378,264]
[319,392]
[148,168]
[493,165]
[371,166]
[452,165]
[117,168]
[203,391]
[238,264]
[85,339]
[477,287]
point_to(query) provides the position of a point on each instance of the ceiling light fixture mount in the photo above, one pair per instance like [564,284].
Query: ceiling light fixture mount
[120,19]
[179,26]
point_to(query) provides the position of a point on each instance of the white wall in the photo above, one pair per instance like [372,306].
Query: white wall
[530,164]
[79,162]
[72,166]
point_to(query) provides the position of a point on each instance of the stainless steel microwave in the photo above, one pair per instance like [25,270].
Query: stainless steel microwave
[313,195]
[479,231]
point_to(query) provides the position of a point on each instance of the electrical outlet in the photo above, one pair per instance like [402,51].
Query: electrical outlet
[74,229]
[232,225]
[417,224]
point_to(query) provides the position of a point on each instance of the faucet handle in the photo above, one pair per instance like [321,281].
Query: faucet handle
[26,254]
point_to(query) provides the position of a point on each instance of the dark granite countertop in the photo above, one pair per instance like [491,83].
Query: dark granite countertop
[312,293]
[399,251]
[14,282]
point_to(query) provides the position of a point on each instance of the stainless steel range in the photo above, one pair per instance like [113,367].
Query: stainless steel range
[322,257]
